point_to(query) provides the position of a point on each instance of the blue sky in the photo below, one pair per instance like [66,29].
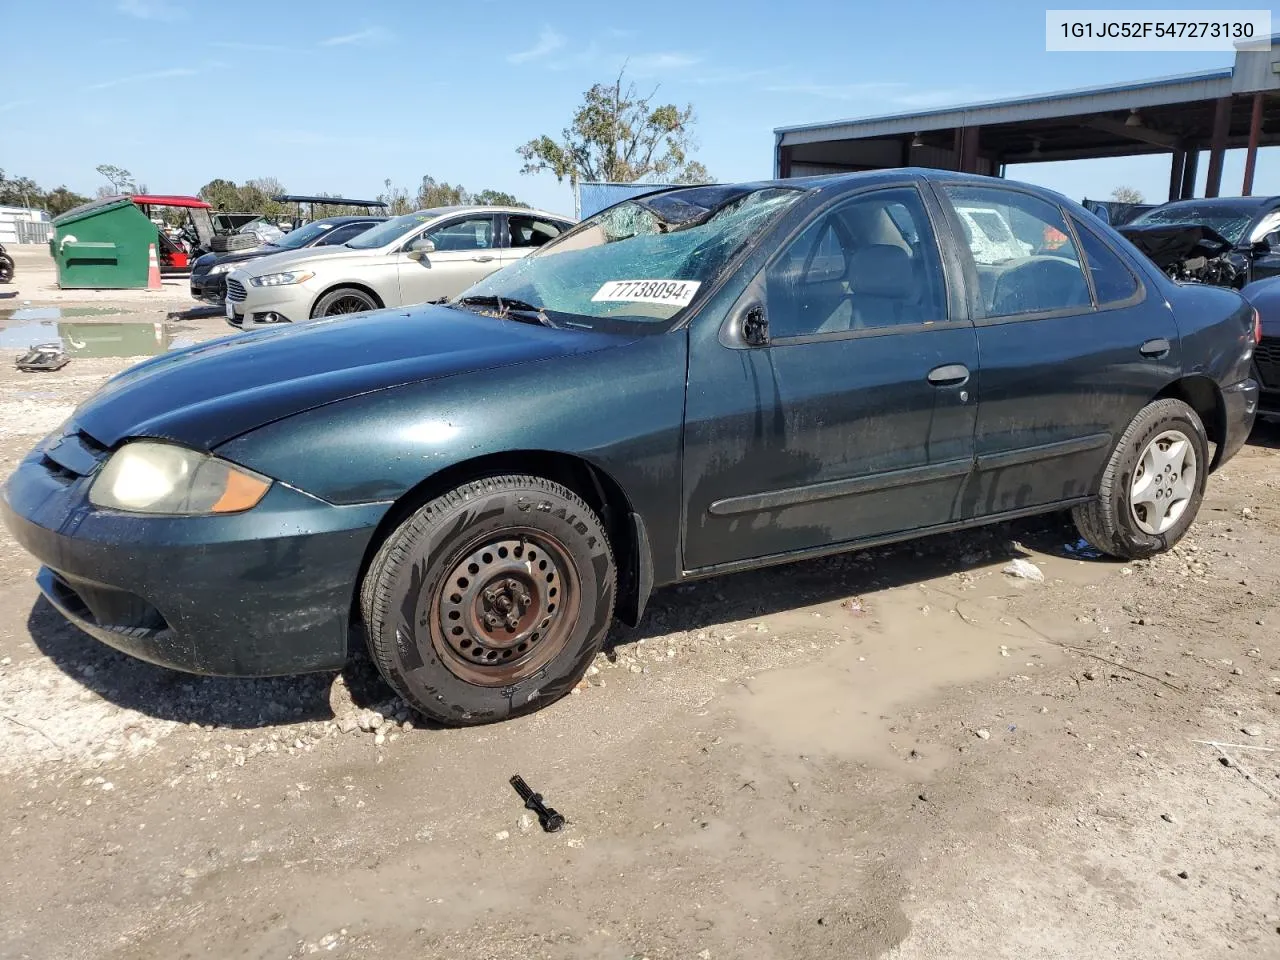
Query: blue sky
[339,96]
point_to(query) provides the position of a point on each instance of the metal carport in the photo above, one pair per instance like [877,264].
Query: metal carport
[1182,116]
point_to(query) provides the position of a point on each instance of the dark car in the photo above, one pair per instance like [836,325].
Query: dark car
[1233,240]
[1265,297]
[209,272]
[700,380]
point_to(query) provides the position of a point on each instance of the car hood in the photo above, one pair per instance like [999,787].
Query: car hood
[204,395]
[204,263]
[304,258]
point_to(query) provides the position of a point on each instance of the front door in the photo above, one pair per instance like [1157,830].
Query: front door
[464,254]
[855,419]
[1073,345]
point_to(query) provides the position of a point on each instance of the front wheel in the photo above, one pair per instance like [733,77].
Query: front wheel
[6,269]
[1153,484]
[490,601]
[343,300]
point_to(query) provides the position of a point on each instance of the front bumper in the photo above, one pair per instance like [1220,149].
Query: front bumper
[262,593]
[263,306]
[1240,401]
[209,287]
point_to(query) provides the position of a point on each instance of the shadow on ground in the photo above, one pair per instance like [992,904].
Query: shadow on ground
[248,703]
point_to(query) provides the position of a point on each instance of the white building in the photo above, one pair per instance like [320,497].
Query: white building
[34,225]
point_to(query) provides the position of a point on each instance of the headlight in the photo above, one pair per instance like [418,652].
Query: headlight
[281,279]
[147,476]
[222,268]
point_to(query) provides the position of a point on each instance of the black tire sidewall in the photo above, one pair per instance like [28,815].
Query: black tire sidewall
[1139,542]
[415,668]
[328,300]
[6,269]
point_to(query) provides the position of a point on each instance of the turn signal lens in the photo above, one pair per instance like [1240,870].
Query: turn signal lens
[1257,327]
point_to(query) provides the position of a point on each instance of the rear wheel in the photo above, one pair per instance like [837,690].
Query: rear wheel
[6,269]
[344,300]
[1153,484]
[490,601]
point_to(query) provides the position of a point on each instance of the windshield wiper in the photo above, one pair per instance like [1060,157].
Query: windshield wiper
[507,308]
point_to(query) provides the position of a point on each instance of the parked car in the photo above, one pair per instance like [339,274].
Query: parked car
[701,380]
[1265,297]
[209,272]
[428,255]
[1225,241]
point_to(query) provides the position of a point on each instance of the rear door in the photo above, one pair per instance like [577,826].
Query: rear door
[855,419]
[1072,343]
[466,251]
[525,233]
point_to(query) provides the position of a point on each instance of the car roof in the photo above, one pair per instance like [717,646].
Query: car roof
[351,218]
[1236,202]
[435,212]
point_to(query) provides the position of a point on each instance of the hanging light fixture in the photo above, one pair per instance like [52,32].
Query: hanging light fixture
[1035,148]
[916,141]
[1134,119]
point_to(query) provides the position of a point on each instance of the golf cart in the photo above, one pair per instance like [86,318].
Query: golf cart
[178,244]
[305,208]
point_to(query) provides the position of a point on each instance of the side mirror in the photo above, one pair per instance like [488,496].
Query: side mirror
[755,326]
[420,248]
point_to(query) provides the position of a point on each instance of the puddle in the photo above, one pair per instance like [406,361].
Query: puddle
[53,313]
[87,339]
[908,648]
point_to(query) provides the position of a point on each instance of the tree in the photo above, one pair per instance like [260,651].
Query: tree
[1126,195]
[59,200]
[497,198]
[434,194]
[396,198]
[618,135]
[221,194]
[120,179]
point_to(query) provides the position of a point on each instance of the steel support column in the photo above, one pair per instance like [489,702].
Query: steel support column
[1177,161]
[1251,156]
[1218,146]
[1189,166]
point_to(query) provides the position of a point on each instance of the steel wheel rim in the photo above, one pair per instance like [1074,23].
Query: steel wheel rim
[505,609]
[348,304]
[1163,482]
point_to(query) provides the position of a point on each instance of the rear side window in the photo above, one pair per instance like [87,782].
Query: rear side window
[1022,252]
[1112,280]
[532,231]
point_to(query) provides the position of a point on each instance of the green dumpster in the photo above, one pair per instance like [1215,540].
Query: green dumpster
[102,245]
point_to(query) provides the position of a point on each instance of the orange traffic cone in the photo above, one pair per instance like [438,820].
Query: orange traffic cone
[153,269]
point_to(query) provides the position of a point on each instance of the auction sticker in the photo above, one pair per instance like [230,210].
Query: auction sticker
[678,293]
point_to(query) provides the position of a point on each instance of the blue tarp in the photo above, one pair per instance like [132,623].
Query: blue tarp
[594,197]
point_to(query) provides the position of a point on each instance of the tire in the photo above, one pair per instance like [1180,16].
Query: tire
[515,547]
[229,242]
[6,269]
[1121,527]
[344,300]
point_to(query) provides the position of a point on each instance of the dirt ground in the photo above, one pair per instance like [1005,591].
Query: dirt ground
[905,753]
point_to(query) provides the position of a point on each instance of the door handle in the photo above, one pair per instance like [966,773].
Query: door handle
[484,259]
[1157,348]
[949,375]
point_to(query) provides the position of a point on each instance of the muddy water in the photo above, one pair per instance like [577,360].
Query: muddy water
[900,649]
[24,328]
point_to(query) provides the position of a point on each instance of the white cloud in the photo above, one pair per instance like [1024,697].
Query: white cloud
[548,42]
[652,64]
[886,94]
[365,37]
[13,105]
[253,47]
[138,77]
[151,10]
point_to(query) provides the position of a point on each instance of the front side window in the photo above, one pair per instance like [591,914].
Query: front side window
[1024,257]
[641,260]
[340,235]
[1112,280]
[396,228]
[868,264]
[474,233]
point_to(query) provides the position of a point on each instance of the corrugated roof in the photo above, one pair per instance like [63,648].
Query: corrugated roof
[1118,96]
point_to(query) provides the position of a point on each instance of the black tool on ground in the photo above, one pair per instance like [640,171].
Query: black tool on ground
[43,358]
[547,816]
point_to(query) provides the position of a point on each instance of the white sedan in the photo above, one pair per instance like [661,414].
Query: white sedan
[413,258]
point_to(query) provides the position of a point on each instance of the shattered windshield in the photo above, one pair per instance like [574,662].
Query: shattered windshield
[644,259]
[1229,220]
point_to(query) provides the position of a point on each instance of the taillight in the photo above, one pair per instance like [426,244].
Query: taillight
[1257,327]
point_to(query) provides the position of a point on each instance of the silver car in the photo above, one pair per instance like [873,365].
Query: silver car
[409,259]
